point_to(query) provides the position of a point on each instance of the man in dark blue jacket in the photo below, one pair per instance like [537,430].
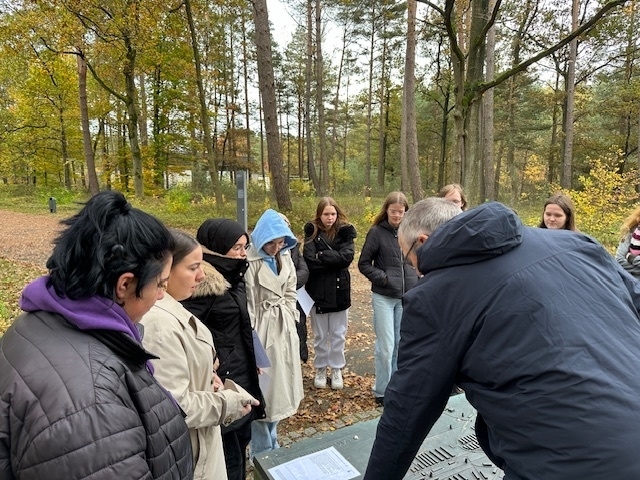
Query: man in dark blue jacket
[539,327]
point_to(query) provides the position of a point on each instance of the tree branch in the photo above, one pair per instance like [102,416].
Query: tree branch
[524,65]
[101,82]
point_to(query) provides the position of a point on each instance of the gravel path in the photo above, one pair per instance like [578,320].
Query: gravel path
[26,237]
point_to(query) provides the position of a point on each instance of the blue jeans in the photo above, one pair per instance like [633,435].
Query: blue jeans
[264,437]
[387,313]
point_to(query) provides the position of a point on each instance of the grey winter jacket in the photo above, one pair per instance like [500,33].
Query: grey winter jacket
[81,404]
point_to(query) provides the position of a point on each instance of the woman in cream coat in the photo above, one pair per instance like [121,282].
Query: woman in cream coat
[185,365]
[271,300]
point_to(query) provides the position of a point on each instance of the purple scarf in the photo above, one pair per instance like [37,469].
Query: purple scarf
[93,313]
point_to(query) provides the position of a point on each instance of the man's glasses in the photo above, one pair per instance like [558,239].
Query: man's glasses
[413,247]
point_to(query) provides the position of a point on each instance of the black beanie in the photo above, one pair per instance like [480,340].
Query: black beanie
[220,234]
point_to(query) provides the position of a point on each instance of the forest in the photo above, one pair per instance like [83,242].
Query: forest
[513,99]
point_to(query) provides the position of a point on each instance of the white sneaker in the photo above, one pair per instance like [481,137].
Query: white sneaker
[321,378]
[336,379]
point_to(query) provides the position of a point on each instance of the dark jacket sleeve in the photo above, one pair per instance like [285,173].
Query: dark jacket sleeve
[418,391]
[340,257]
[310,250]
[370,251]
[302,270]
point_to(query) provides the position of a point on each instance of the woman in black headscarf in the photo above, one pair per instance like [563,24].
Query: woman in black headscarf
[220,302]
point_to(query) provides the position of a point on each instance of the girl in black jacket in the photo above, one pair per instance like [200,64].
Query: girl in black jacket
[328,251]
[390,276]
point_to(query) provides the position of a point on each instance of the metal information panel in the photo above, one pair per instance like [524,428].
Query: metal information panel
[450,451]
[241,197]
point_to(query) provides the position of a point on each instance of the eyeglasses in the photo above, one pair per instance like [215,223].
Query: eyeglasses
[395,212]
[239,247]
[413,246]
[278,245]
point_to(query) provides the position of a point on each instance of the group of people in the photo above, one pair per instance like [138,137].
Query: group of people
[148,353]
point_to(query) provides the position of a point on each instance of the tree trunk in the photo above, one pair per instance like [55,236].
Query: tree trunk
[311,166]
[66,161]
[473,101]
[553,147]
[84,122]
[367,152]
[444,129]
[381,126]
[204,113]
[322,134]
[409,105]
[487,160]
[336,98]
[142,120]
[247,116]
[132,113]
[268,94]
[570,88]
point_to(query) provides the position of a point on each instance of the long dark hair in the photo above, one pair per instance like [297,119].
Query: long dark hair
[107,238]
[318,226]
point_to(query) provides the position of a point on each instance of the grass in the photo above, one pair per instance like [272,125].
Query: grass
[15,275]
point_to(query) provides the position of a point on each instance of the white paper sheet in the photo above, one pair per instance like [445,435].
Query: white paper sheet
[305,300]
[327,464]
[264,380]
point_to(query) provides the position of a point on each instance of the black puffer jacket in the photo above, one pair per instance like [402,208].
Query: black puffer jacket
[81,404]
[329,281]
[382,263]
[220,302]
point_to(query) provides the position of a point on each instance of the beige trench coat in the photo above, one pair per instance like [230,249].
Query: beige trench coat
[271,301]
[185,367]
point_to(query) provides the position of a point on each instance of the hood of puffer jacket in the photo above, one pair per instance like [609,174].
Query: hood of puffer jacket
[473,236]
